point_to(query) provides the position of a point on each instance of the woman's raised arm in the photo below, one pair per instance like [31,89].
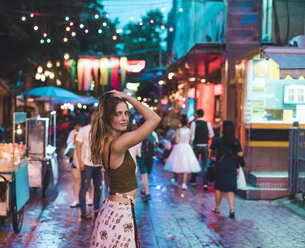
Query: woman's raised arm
[130,139]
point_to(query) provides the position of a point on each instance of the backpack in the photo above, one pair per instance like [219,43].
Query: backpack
[149,146]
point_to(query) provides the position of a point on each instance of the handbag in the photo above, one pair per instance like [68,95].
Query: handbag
[240,161]
[241,180]
[211,171]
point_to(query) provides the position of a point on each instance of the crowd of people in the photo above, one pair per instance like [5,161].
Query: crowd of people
[110,145]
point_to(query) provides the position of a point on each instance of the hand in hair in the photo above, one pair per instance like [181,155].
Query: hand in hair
[118,94]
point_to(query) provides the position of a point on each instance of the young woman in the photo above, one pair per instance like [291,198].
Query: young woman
[182,159]
[115,224]
[229,150]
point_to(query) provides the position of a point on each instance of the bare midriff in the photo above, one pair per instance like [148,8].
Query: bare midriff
[117,198]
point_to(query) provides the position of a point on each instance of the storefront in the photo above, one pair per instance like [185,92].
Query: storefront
[267,94]
[198,78]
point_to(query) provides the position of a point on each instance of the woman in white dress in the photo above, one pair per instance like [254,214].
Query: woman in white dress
[182,158]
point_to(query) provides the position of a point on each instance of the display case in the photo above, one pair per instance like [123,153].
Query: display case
[41,152]
[14,185]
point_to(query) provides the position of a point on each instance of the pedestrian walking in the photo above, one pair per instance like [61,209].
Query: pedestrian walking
[228,153]
[89,170]
[201,133]
[70,152]
[116,223]
[146,162]
[182,158]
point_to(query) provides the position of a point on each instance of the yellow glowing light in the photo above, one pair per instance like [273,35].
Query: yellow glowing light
[68,29]
[35,28]
[162,27]
[73,33]
[114,37]
[39,69]
[65,39]
[66,56]
[171,29]
[49,64]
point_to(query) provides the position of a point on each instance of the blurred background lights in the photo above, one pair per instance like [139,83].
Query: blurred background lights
[32,15]
[58,82]
[86,31]
[39,69]
[104,24]
[180,10]
[35,28]
[171,29]
[68,29]
[66,56]
[107,15]
[114,37]
[100,31]
[162,27]
[73,33]
[96,16]
[23,18]
[42,41]
[81,25]
[131,18]
[45,35]
[162,9]
[65,39]
[67,18]
[71,24]
[140,19]
[49,40]
[49,64]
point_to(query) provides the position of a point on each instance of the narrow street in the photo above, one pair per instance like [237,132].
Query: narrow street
[173,218]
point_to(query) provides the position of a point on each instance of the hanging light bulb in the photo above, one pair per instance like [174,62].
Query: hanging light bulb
[39,69]
[49,64]
[23,18]
[65,39]
[66,56]
[35,27]
[68,29]
[73,34]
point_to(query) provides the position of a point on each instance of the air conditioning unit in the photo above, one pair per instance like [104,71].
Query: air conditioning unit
[297,41]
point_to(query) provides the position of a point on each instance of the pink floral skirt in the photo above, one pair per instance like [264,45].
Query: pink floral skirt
[114,226]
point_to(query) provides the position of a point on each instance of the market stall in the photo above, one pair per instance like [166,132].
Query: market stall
[41,152]
[14,184]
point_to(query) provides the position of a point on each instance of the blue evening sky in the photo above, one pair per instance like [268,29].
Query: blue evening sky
[125,9]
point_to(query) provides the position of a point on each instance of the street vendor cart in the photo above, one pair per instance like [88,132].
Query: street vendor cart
[14,184]
[41,152]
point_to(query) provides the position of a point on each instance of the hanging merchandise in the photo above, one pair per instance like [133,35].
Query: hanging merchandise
[123,63]
[80,73]
[115,66]
[73,74]
[95,66]
[104,71]
[88,64]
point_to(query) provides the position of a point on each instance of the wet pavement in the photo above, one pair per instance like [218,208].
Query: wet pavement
[173,218]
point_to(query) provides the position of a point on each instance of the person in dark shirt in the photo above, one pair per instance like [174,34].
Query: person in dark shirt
[201,133]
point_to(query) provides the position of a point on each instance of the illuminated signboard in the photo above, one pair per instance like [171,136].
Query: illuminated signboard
[164,101]
[135,66]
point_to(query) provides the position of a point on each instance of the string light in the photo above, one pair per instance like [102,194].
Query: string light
[66,56]
[81,25]
[151,21]
[39,69]
[100,31]
[73,34]
[42,41]
[35,28]
[65,39]
[68,29]
[23,18]
[71,24]
[107,15]
[171,29]
[140,19]
[162,9]
[45,35]
[131,18]
[49,40]
[140,23]
[32,15]
[162,27]
[67,18]
[86,31]
[114,37]
[104,24]
[49,64]
[96,16]
[180,10]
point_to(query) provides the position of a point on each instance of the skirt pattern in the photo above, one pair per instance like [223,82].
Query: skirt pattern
[114,226]
[182,159]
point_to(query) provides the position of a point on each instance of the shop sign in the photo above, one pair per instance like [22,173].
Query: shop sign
[135,66]
[294,94]
[164,101]
[260,68]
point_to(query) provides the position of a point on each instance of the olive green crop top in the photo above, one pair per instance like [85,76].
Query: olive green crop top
[122,179]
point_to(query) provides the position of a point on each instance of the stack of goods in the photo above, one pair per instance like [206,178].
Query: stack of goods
[7,157]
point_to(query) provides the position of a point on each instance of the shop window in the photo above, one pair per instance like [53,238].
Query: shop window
[291,95]
[301,97]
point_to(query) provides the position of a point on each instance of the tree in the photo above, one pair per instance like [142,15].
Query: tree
[63,26]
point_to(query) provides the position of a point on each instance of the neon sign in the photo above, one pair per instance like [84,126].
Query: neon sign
[135,66]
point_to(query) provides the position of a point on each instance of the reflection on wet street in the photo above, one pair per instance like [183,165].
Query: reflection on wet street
[173,218]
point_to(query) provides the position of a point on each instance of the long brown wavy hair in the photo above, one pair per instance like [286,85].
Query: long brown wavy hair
[101,125]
